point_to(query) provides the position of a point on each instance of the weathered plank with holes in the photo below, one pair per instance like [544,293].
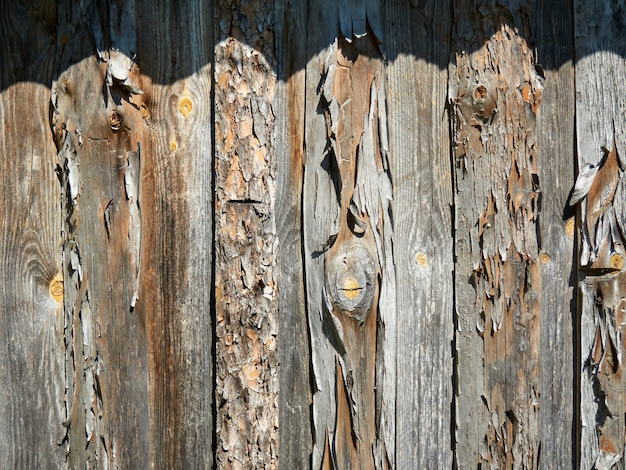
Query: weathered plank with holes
[496,93]
[350,280]
[416,43]
[246,289]
[176,238]
[600,193]
[32,355]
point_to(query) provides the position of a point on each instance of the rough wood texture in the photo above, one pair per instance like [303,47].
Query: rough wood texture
[246,289]
[431,329]
[348,244]
[417,46]
[32,357]
[599,190]
[293,339]
[174,52]
[495,93]
[96,121]
[555,143]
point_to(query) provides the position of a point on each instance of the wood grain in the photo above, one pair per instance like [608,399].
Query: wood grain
[553,30]
[293,340]
[175,293]
[496,92]
[32,358]
[423,250]
[350,280]
[599,192]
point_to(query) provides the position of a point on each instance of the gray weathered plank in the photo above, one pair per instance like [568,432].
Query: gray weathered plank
[174,51]
[601,146]
[416,42]
[246,271]
[553,32]
[32,357]
[293,340]
[495,93]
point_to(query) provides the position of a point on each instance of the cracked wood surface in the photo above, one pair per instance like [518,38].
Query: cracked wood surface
[97,128]
[349,272]
[496,93]
[246,274]
[427,323]
[599,193]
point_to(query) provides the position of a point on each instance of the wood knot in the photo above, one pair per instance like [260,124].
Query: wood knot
[350,277]
[56,288]
[616,262]
[569,226]
[115,121]
[421,259]
[145,112]
[185,106]
[483,101]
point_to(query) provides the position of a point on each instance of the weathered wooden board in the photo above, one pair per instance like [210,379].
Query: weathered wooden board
[32,357]
[553,36]
[96,122]
[347,231]
[175,48]
[293,339]
[496,92]
[246,288]
[416,43]
[599,191]
[372,195]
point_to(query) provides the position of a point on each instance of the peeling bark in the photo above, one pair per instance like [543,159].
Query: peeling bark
[496,93]
[348,255]
[245,239]
[601,223]
[97,128]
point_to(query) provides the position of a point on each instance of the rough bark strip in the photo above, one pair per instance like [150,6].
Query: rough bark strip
[555,141]
[350,278]
[293,341]
[175,50]
[32,357]
[495,93]
[599,190]
[417,47]
[96,122]
[245,237]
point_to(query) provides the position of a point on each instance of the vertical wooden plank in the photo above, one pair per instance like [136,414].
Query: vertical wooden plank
[350,279]
[417,47]
[32,358]
[246,293]
[495,92]
[175,50]
[599,190]
[555,143]
[293,340]
[96,123]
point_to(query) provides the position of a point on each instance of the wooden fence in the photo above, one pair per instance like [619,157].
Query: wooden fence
[313,234]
